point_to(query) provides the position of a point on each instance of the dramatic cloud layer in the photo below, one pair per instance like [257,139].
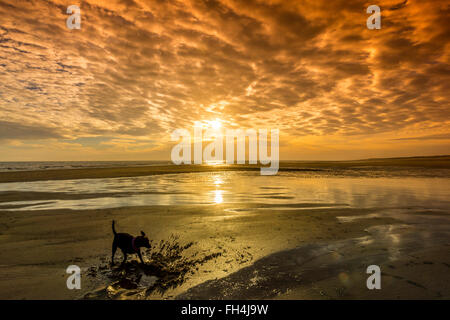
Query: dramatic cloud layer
[139,69]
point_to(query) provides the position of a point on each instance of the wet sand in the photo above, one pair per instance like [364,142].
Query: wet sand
[256,253]
[224,251]
[36,247]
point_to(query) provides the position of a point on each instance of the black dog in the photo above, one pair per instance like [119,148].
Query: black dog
[128,244]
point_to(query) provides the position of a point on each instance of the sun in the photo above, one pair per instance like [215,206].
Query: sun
[215,124]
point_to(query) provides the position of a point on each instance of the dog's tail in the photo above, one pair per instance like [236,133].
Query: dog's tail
[113,228]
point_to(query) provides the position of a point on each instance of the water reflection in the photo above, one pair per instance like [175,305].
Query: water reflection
[217,180]
[236,187]
[218,196]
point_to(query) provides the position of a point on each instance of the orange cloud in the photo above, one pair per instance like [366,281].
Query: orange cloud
[140,69]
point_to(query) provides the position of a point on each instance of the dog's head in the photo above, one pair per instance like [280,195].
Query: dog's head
[142,241]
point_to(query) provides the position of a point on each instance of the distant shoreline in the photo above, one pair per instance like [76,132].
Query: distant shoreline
[436,162]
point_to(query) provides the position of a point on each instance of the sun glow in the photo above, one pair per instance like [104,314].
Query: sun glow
[215,124]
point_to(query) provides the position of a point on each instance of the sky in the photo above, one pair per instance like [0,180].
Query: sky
[137,70]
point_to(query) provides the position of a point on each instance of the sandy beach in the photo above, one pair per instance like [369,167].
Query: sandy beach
[272,247]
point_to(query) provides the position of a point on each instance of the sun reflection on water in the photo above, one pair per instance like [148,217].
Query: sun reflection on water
[218,198]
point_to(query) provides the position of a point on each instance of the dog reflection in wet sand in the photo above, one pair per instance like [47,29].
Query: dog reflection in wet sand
[128,244]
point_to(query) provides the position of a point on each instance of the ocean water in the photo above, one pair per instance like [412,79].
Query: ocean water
[286,189]
[51,165]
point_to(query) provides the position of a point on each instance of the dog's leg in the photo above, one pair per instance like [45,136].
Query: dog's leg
[114,248]
[140,256]
[124,257]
